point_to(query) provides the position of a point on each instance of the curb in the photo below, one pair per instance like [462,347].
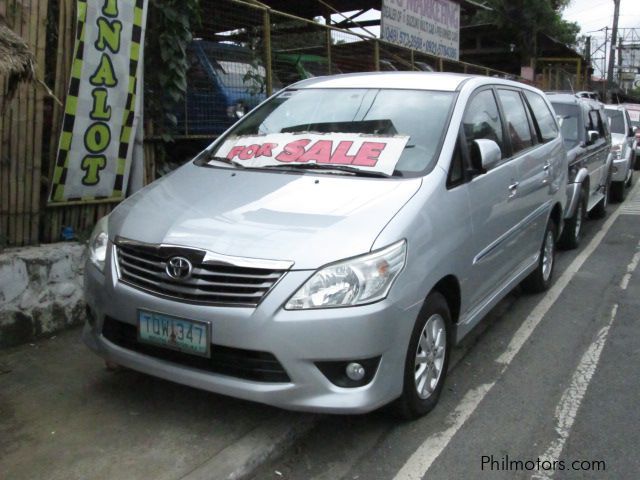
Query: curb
[239,460]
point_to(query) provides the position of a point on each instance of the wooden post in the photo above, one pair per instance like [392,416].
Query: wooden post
[267,51]
[376,55]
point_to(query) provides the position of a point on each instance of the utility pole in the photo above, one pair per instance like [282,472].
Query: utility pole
[587,56]
[620,62]
[614,39]
[604,64]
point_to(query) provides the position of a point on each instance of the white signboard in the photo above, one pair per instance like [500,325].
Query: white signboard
[103,103]
[365,152]
[430,26]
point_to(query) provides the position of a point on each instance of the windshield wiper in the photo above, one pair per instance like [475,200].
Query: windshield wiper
[225,160]
[328,167]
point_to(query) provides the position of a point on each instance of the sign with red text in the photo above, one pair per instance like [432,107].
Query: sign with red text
[365,152]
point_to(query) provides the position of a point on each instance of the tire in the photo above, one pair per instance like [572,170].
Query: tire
[540,279]
[630,181]
[572,232]
[618,191]
[434,352]
[600,210]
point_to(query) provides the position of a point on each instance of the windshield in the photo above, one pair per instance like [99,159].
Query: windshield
[569,121]
[417,118]
[616,120]
[237,67]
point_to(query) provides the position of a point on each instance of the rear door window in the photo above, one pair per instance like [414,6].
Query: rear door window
[518,127]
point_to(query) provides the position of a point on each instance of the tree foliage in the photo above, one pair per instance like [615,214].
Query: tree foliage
[522,20]
[169,30]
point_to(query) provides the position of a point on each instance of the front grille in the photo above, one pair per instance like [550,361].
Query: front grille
[234,362]
[144,267]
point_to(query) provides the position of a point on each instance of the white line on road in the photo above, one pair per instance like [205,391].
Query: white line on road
[422,459]
[571,400]
[624,283]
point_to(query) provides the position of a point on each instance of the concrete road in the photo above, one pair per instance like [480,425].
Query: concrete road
[549,387]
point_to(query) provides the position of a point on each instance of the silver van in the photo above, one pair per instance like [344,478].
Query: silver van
[327,251]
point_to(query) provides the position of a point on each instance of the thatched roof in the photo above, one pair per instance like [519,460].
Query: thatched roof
[17,63]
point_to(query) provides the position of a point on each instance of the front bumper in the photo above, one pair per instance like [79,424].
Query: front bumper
[621,168]
[297,339]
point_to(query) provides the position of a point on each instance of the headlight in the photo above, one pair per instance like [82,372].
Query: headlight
[98,243]
[617,152]
[360,280]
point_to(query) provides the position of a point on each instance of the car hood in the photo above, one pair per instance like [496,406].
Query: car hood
[309,219]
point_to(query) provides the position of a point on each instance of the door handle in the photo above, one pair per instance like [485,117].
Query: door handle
[513,188]
[546,166]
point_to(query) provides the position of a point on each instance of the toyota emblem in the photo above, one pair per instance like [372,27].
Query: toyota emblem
[179,268]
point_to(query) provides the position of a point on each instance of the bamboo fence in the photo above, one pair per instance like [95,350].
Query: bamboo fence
[21,131]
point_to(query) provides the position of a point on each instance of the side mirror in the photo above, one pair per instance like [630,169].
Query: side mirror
[592,136]
[485,154]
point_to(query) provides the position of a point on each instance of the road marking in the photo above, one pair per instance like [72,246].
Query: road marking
[536,315]
[631,206]
[571,399]
[422,459]
[624,283]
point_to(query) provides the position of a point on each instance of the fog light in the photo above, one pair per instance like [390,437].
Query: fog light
[355,371]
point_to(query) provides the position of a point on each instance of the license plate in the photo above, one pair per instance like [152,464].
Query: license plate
[188,336]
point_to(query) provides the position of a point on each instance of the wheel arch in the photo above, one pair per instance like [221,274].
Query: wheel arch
[449,288]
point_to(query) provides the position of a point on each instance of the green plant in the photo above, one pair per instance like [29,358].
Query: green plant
[169,33]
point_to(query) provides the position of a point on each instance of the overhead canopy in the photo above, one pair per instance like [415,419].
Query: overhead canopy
[485,45]
[226,19]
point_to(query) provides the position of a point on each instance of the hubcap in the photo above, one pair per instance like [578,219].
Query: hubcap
[547,256]
[430,355]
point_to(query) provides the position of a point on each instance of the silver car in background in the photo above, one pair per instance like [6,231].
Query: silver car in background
[585,130]
[328,250]
[623,148]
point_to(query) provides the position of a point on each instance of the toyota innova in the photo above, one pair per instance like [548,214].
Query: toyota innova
[328,250]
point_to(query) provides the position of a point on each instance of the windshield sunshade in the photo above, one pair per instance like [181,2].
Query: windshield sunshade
[394,132]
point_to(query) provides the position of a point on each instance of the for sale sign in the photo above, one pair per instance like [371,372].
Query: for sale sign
[365,152]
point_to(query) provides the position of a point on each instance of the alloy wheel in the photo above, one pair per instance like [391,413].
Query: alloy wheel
[547,256]
[430,356]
